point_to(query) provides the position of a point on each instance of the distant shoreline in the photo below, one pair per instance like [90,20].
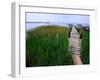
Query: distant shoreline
[31,25]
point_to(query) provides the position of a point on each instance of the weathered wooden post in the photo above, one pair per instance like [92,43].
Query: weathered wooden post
[75,45]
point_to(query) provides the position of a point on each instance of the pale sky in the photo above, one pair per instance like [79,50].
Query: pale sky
[54,19]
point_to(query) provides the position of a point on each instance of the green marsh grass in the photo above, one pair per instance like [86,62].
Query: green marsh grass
[47,46]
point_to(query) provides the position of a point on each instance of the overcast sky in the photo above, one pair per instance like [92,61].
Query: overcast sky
[54,19]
